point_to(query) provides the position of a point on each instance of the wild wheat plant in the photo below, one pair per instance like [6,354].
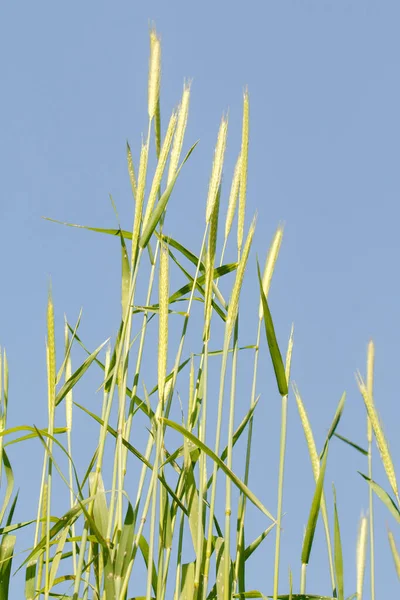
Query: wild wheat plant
[92,549]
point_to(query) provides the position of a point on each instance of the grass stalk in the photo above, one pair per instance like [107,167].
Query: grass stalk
[228,493]
[270,262]
[370,387]
[361,554]
[303,578]
[230,322]
[68,422]
[243,170]
[51,386]
[282,453]
[315,464]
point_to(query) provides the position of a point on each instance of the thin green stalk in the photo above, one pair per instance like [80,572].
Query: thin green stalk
[280,494]
[243,499]
[68,419]
[214,201]
[180,491]
[122,367]
[175,372]
[154,488]
[51,384]
[86,576]
[179,558]
[149,497]
[139,358]
[104,430]
[228,507]
[202,471]
[215,469]
[267,278]
[282,469]
[370,388]
[43,515]
[178,358]
[180,488]
[303,578]
[315,463]
[113,499]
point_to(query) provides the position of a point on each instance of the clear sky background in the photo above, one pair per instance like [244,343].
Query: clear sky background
[324,158]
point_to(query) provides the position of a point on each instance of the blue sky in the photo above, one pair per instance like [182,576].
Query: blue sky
[324,155]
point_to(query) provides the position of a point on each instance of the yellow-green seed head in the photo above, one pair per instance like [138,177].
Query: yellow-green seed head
[154,73]
[179,132]
[379,435]
[361,554]
[162,161]
[163,321]
[217,167]
[233,196]
[270,265]
[370,382]
[312,449]
[234,300]
[243,170]
[141,186]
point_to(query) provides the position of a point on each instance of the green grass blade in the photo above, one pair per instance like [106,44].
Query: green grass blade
[338,551]
[255,543]
[115,232]
[57,557]
[135,452]
[100,509]
[337,416]
[187,583]
[192,497]
[384,496]
[395,553]
[144,548]
[161,206]
[166,533]
[125,544]
[172,243]
[6,555]
[65,521]
[10,484]
[234,478]
[125,275]
[352,444]
[220,567]
[314,512]
[76,376]
[273,346]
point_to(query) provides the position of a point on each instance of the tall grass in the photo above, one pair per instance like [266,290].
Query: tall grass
[92,548]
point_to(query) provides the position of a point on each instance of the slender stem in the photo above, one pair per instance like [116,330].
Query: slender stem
[328,541]
[167,409]
[371,517]
[215,469]
[303,578]
[104,429]
[202,473]
[128,424]
[370,386]
[228,507]
[243,499]
[280,494]
[179,558]
[154,488]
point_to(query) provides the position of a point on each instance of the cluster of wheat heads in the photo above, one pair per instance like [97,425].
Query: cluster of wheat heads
[90,551]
